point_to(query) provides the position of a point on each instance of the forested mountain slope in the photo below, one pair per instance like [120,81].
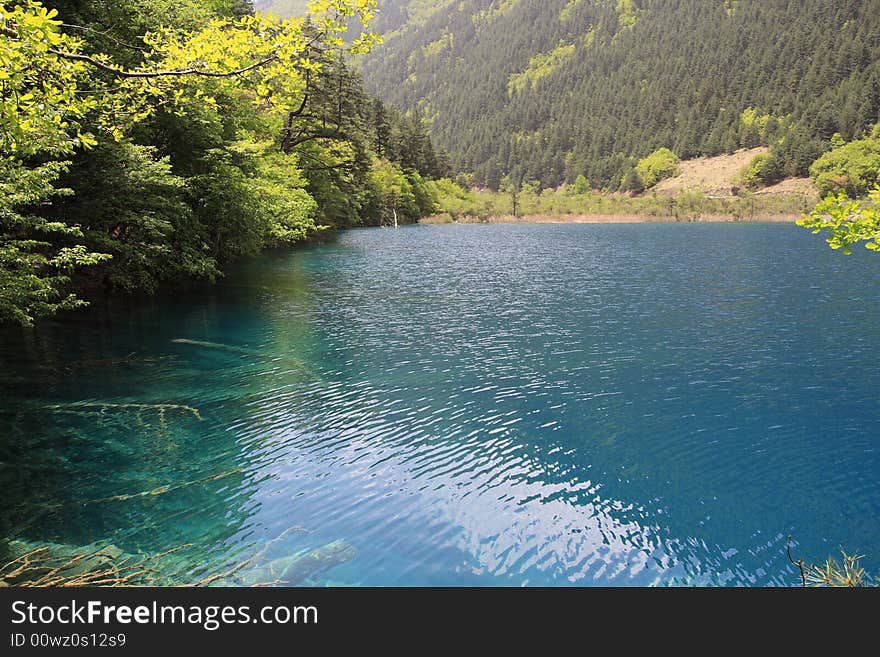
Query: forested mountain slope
[285,8]
[547,90]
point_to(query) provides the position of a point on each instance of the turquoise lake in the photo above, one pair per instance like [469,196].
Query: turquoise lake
[483,405]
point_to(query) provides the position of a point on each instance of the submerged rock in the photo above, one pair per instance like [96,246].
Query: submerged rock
[296,569]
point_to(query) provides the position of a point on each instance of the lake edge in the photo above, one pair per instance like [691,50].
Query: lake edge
[767,218]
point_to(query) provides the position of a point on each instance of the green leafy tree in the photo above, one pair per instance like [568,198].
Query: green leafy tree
[37,256]
[581,185]
[853,168]
[394,192]
[633,182]
[289,209]
[66,87]
[425,195]
[129,204]
[41,123]
[847,221]
[154,141]
[764,169]
[454,199]
[657,166]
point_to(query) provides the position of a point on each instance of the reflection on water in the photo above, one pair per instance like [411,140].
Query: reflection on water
[468,405]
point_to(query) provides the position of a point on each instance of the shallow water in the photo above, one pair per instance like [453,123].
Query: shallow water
[471,405]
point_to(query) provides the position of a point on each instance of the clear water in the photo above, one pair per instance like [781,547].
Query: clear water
[472,405]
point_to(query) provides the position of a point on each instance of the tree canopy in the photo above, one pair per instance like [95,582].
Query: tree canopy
[147,143]
[657,166]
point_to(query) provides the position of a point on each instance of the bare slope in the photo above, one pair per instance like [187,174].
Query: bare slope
[717,176]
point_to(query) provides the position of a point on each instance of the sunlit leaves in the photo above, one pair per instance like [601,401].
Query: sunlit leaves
[853,168]
[40,107]
[48,88]
[657,166]
[847,221]
[58,96]
[69,258]
[540,66]
[400,192]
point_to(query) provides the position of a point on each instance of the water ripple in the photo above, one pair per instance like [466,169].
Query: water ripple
[472,405]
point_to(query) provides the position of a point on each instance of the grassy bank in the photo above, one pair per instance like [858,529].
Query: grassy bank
[566,205]
[762,217]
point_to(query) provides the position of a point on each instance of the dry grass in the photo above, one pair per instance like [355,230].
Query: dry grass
[443,218]
[710,175]
[792,187]
[717,176]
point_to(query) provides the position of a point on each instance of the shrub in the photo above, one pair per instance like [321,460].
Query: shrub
[633,182]
[660,164]
[853,168]
[453,199]
[581,185]
[764,169]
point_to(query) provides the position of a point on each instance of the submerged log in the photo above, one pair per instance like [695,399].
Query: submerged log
[89,557]
[244,351]
[52,564]
[219,346]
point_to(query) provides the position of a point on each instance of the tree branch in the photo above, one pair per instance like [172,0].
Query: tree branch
[288,129]
[322,134]
[799,563]
[120,73]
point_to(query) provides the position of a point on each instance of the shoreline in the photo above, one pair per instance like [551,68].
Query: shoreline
[622,218]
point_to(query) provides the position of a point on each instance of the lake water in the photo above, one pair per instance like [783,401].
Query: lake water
[471,405]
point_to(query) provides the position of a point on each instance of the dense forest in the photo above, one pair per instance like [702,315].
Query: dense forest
[149,143]
[551,90]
